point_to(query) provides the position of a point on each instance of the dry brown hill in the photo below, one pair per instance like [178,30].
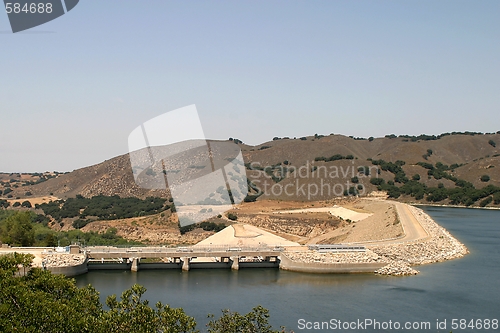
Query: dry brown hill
[475,153]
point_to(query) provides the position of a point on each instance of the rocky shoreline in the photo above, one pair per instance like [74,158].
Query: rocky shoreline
[335,258]
[440,245]
[397,268]
[62,259]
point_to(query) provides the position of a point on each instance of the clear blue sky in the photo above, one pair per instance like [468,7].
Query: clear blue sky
[73,89]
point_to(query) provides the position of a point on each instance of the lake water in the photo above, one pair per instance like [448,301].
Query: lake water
[466,288]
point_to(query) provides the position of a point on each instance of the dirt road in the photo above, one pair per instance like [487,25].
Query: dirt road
[413,230]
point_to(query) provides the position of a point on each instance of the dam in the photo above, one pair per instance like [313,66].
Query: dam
[185,258]
[75,260]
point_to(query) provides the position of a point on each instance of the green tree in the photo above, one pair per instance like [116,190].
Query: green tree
[42,302]
[256,321]
[50,240]
[17,230]
[134,315]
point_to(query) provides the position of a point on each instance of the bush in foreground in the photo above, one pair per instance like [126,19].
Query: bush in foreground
[42,302]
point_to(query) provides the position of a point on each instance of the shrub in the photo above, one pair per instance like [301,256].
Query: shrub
[377,181]
[416,177]
[232,217]
[370,139]
[426,165]
[26,204]
[335,157]
[486,202]
[492,143]
[393,192]
[355,180]
[485,178]
[79,223]
[251,198]
[400,177]
[496,197]
[365,170]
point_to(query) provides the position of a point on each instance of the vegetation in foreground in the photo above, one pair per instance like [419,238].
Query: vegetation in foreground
[43,302]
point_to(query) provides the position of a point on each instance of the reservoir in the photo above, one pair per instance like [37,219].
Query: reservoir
[465,288]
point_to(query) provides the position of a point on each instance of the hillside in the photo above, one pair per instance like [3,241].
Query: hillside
[319,163]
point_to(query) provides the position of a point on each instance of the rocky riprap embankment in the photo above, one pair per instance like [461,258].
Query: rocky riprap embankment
[332,258]
[62,259]
[397,268]
[440,245]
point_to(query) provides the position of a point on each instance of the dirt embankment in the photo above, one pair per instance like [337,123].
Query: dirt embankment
[382,224]
[297,224]
[155,229]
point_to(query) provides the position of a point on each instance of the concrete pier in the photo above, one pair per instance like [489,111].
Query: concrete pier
[235,265]
[185,263]
[135,264]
